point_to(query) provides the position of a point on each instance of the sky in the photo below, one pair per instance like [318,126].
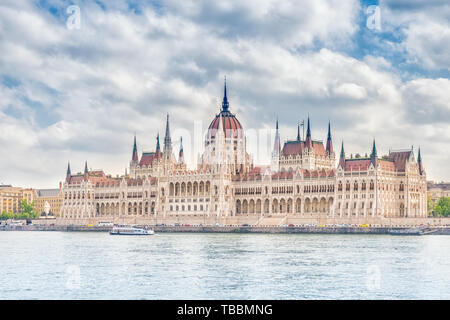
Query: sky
[79,89]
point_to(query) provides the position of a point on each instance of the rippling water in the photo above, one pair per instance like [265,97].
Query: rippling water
[72,265]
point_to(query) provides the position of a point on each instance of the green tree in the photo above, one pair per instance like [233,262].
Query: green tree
[6,215]
[442,208]
[27,210]
[430,205]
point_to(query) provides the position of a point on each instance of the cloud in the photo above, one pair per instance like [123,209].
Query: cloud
[81,94]
[425,30]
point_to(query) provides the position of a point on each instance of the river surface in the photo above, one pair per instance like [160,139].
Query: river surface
[95,265]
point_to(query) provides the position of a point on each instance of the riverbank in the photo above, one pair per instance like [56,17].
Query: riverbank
[232,229]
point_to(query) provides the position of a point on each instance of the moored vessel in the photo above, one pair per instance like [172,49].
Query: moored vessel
[410,232]
[130,230]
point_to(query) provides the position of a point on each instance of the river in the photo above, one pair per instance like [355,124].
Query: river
[95,265]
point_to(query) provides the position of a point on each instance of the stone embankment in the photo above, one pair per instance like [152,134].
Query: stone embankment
[230,229]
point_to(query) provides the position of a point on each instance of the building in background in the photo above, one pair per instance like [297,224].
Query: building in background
[48,202]
[10,198]
[303,180]
[438,190]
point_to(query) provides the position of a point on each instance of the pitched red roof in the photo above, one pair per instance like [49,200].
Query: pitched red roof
[357,164]
[400,158]
[147,158]
[386,165]
[293,148]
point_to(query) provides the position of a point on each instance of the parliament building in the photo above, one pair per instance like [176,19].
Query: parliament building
[305,178]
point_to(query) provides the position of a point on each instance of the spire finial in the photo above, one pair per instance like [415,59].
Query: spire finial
[167,139]
[134,156]
[373,155]
[225,104]
[298,131]
[308,140]
[329,141]
[329,130]
[419,161]
[68,175]
[157,142]
[374,149]
[308,129]
[342,157]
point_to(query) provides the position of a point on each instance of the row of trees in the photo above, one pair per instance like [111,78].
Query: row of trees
[26,212]
[441,209]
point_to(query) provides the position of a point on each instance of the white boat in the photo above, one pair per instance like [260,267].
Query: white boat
[411,232]
[131,230]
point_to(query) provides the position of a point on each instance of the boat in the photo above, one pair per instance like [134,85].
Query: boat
[410,232]
[130,230]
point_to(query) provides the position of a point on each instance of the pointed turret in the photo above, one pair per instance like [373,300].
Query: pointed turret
[86,171]
[329,141]
[275,163]
[181,153]
[134,156]
[298,132]
[167,141]
[373,155]
[419,162]
[342,156]
[308,140]
[277,145]
[225,99]
[158,148]
[68,174]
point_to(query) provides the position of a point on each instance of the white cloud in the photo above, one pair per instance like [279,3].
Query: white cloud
[120,74]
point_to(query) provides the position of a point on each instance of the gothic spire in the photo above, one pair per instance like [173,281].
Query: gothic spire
[342,157]
[308,140]
[157,142]
[373,155]
[68,174]
[277,146]
[298,131]
[158,148]
[85,170]
[329,141]
[419,161]
[134,157]
[225,99]
[167,141]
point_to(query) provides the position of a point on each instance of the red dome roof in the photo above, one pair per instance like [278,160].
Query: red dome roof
[230,125]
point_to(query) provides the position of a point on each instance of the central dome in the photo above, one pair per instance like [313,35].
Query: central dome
[230,124]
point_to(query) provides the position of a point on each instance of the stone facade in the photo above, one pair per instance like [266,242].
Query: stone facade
[438,190]
[303,180]
[10,198]
[52,197]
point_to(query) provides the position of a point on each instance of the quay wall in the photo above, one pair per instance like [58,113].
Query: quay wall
[256,221]
[245,224]
[230,229]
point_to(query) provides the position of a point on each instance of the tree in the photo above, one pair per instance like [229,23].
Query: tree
[430,205]
[27,210]
[442,208]
[6,215]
